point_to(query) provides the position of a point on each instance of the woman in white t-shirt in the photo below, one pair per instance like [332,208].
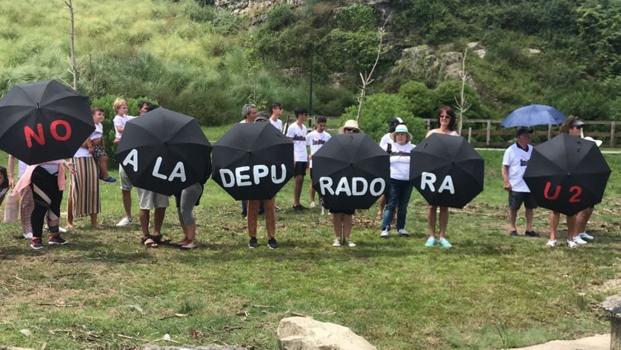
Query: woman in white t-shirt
[400,184]
[446,121]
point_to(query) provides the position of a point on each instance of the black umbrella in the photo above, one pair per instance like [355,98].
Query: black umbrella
[164,151]
[446,170]
[350,172]
[44,121]
[567,174]
[253,161]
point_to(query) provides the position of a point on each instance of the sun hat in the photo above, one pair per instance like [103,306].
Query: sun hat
[401,129]
[349,124]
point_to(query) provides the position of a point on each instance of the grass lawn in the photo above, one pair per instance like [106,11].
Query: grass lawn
[105,291]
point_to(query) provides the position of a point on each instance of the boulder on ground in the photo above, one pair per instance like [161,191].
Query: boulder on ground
[305,333]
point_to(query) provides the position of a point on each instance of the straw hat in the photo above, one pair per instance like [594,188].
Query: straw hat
[401,129]
[349,124]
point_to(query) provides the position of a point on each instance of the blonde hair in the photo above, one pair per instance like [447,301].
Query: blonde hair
[118,103]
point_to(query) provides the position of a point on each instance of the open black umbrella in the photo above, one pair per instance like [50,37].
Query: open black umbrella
[44,121]
[350,172]
[567,174]
[164,151]
[446,170]
[252,161]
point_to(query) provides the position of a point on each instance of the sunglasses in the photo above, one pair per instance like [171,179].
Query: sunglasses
[577,126]
[355,131]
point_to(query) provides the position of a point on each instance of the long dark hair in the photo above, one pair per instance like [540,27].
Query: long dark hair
[451,113]
[5,182]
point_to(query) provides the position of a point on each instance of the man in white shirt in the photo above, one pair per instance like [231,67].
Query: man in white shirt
[316,139]
[514,164]
[297,133]
[276,111]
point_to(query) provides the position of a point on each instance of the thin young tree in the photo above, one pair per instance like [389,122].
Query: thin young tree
[73,65]
[462,104]
[367,78]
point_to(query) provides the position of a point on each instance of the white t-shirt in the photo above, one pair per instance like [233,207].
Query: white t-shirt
[51,166]
[315,141]
[98,133]
[276,123]
[437,131]
[298,134]
[21,168]
[386,139]
[120,121]
[517,159]
[400,161]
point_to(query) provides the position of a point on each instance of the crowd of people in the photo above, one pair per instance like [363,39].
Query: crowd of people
[35,194]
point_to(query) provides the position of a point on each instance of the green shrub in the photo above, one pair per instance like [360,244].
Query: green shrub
[448,91]
[379,109]
[356,17]
[421,98]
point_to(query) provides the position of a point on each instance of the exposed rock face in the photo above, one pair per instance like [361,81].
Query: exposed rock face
[253,6]
[304,333]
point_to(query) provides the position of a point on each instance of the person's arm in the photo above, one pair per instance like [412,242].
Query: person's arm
[11,170]
[505,177]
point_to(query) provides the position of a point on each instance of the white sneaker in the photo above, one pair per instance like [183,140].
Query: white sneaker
[124,222]
[27,235]
[571,244]
[337,242]
[312,204]
[551,243]
[350,244]
[62,229]
[586,236]
[323,211]
[403,232]
[384,234]
[579,240]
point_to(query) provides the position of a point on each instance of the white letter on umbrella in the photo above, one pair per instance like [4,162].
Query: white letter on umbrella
[258,172]
[229,179]
[343,186]
[282,177]
[132,158]
[381,182]
[356,191]
[156,169]
[325,183]
[241,178]
[447,184]
[178,171]
[427,179]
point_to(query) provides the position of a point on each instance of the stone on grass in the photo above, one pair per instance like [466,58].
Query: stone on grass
[207,347]
[305,333]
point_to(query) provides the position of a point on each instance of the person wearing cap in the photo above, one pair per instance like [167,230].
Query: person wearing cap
[514,163]
[400,184]
[342,219]
[386,144]
[297,133]
[316,139]
[576,224]
[446,121]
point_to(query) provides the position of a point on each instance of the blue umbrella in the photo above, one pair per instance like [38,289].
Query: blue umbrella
[532,115]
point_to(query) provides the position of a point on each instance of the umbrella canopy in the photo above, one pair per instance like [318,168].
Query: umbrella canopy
[44,121]
[532,115]
[447,171]
[253,161]
[164,151]
[350,172]
[567,174]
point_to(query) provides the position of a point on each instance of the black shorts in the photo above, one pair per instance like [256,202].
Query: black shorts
[299,168]
[517,198]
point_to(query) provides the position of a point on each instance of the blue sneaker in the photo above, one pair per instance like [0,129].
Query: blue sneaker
[431,241]
[445,243]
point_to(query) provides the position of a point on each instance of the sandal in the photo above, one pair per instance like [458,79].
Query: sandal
[149,242]
[160,239]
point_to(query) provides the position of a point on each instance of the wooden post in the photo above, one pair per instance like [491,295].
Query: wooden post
[428,124]
[612,306]
[489,131]
[469,134]
[612,133]
[549,131]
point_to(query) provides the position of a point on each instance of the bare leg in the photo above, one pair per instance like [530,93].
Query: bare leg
[127,203]
[94,223]
[253,213]
[530,214]
[444,217]
[347,225]
[299,181]
[554,219]
[512,219]
[311,192]
[145,217]
[431,220]
[70,209]
[571,227]
[583,218]
[103,166]
[337,219]
[158,220]
[270,217]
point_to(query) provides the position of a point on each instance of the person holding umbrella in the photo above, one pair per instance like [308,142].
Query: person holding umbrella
[342,219]
[400,184]
[446,122]
[576,224]
[297,133]
[514,162]
[386,143]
